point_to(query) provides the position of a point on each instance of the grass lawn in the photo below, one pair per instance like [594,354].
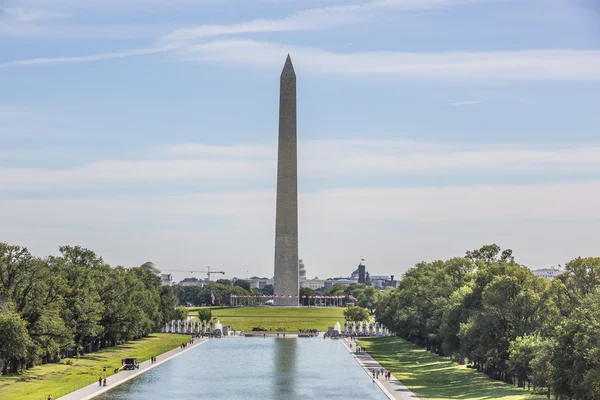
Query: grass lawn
[435,377]
[292,318]
[59,379]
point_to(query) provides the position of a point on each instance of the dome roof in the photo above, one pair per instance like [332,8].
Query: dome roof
[150,266]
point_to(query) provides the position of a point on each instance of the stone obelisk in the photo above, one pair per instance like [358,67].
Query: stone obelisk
[286,217]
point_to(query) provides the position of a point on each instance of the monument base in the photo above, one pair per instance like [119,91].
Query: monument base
[285,303]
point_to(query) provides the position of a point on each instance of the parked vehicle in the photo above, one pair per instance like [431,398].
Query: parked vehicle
[130,363]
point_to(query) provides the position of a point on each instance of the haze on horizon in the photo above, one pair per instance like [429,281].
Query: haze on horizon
[146,130]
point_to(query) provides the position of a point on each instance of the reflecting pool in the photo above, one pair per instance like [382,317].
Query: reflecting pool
[254,368]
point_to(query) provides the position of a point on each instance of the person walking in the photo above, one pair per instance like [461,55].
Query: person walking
[100,381]
[104,382]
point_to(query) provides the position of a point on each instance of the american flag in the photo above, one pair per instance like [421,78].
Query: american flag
[212,298]
[353,298]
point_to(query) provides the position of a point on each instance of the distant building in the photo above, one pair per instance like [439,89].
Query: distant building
[193,282]
[379,280]
[166,279]
[550,273]
[259,283]
[338,281]
[301,270]
[313,284]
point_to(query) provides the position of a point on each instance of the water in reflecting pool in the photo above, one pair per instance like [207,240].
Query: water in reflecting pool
[254,368]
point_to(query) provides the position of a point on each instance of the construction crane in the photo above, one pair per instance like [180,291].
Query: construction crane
[208,272]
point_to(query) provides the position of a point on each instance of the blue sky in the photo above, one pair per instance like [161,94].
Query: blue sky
[146,129]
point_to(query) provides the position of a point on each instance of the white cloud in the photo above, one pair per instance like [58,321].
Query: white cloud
[578,65]
[322,159]
[31,15]
[542,223]
[465,103]
[503,65]
[248,210]
[88,58]
[315,18]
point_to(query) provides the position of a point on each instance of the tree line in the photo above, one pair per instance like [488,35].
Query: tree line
[63,306]
[222,289]
[488,311]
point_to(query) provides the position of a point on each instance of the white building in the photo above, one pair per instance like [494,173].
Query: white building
[259,283]
[313,284]
[166,279]
[550,273]
[379,281]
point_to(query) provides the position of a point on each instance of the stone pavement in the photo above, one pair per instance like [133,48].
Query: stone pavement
[94,390]
[393,389]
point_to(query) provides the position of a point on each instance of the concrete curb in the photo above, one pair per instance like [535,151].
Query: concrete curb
[73,395]
[359,361]
[407,394]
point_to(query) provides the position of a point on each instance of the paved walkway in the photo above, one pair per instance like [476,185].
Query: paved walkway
[393,389]
[94,390]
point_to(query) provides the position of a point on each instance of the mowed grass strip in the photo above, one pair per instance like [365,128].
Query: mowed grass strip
[291,319]
[60,379]
[433,377]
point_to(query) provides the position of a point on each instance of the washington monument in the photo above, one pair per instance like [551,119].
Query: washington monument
[286,215]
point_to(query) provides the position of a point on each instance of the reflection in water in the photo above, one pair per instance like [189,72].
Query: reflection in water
[285,368]
[254,368]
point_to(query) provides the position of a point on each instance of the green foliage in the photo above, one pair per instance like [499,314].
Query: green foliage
[181,313]
[356,314]
[308,292]
[15,338]
[268,290]
[490,311]
[244,284]
[74,304]
[432,377]
[368,298]
[292,319]
[204,314]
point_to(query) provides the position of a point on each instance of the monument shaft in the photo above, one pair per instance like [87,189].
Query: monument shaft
[286,218]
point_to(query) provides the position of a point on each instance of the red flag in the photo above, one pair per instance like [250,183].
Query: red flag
[212,298]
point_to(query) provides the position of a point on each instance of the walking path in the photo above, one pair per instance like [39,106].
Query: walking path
[393,389]
[94,390]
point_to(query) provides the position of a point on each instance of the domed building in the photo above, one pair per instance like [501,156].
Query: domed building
[150,266]
[301,270]
[166,279]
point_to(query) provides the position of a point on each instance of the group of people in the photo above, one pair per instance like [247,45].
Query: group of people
[380,371]
[311,331]
[359,349]
[152,360]
[101,382]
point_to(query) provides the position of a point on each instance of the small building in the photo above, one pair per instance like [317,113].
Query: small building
[549,273]
[313,284]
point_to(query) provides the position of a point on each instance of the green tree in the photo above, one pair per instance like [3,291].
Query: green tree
[368,298]
[205,314]
[244,284]
[15,340]
[268,290]
[522,352]
[308,292]
[224,282]
[181,313]
[490,253]
[356,314]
